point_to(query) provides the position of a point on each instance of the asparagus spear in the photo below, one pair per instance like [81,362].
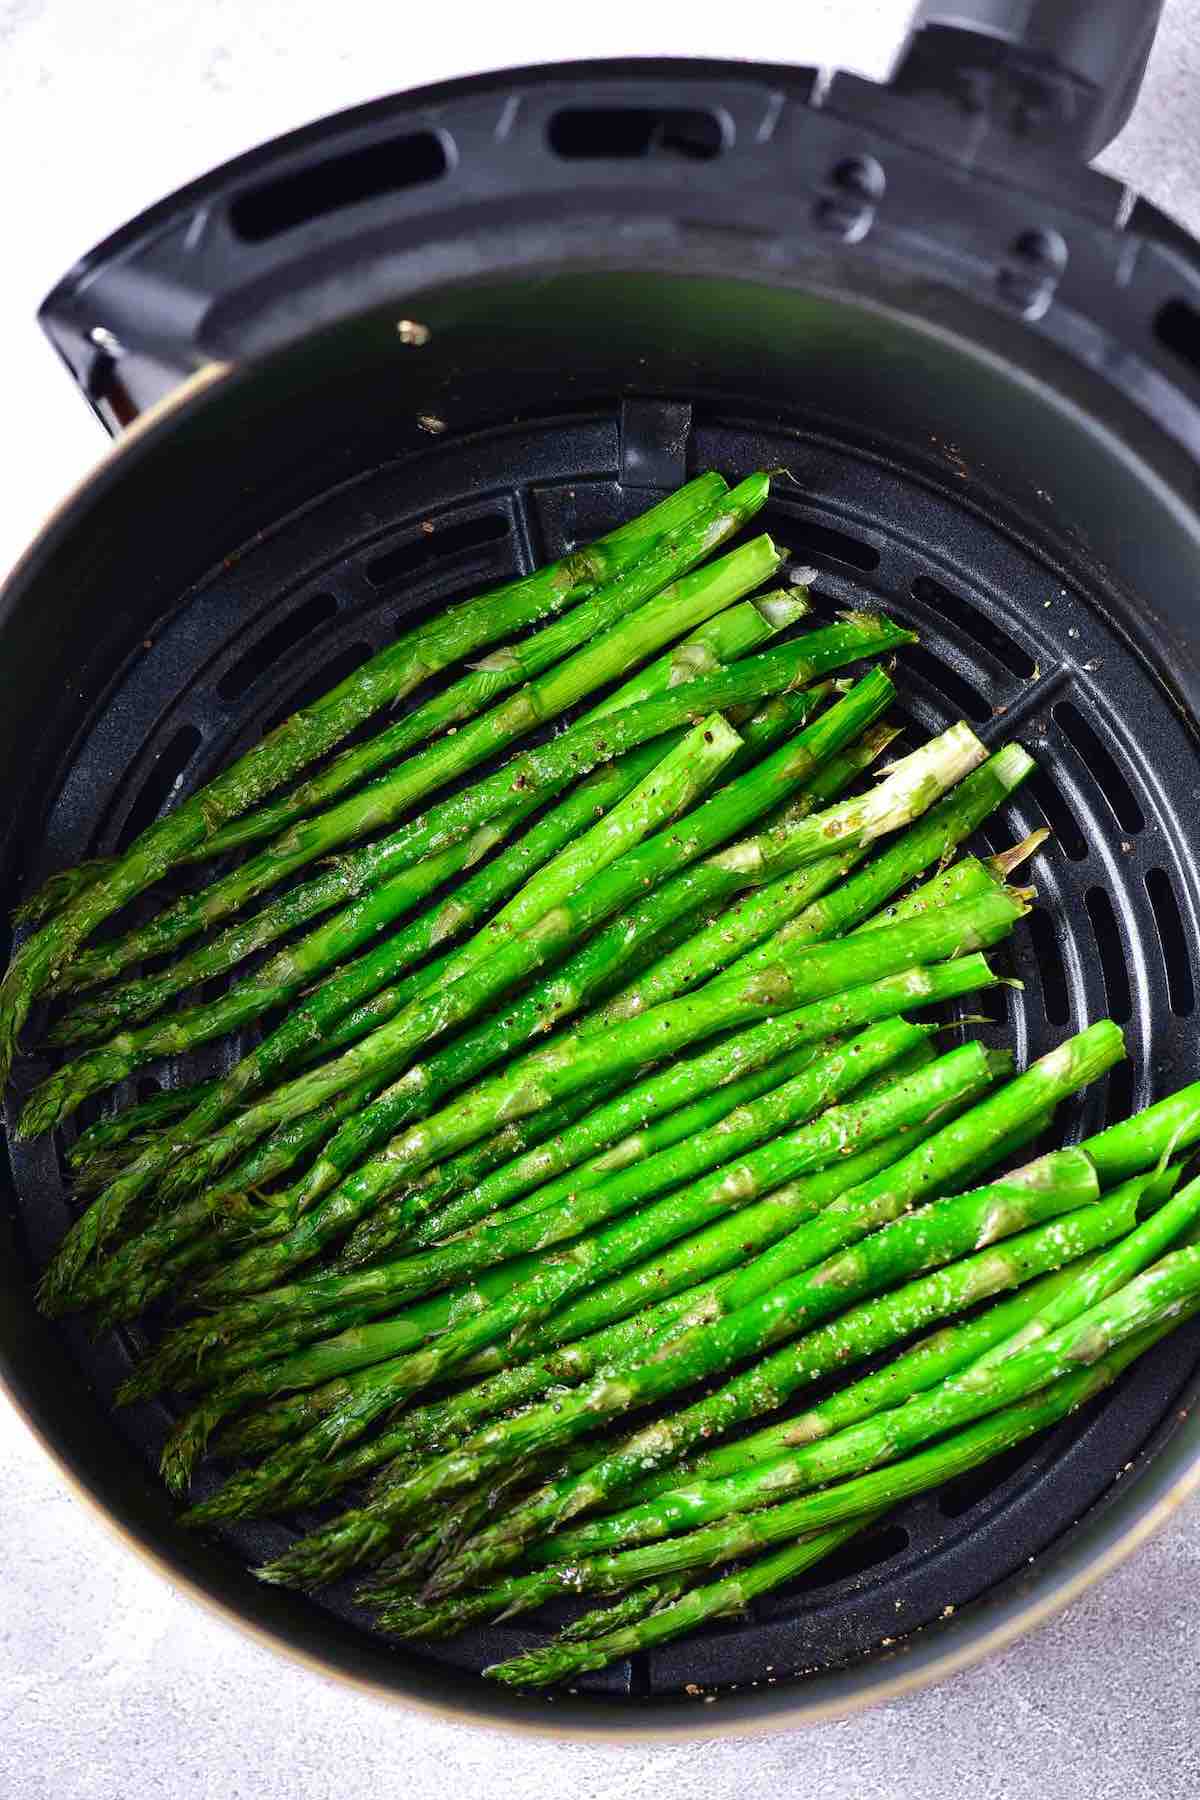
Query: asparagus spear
[639,1603]
[540,699]
[658,1620]
[111,1134]
[499,671]
[137,1272]
[663,1619]
[153,1262]
[391,1284]
[1161,1131]
[1063,1070]
[668,1221]
[668,789]
[722,640]
[578,1059]
[426,648]
[424,1320]
[639,1330]
[437,1424]
[618,1246]
[571,985]
[873,1197]
[941,1233]
[638,1334]
[473,898]
[1166,1225]
[362,1534]
[702,1254]
[294,1142]
[639,1147]
[789,910]
[983,1387]
[904,780]
[676,608]
[87,897]
[969,875]
[744,1306]
[956,929]
[119,1009]
[632,1330]
[743,1535]
[829,1075]
[774,671]
[423,1084]
[875,1324]
[439,1191]
[647,1100]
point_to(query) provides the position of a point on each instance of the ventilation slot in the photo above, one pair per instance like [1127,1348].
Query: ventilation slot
[827,548]
[160,784]
[1112,953]
[991,1004]
[327,676]
[857,1557]
[1173,942]
[962,696]
[1122,1079]
[1057,813]
[1177,328]
[276,643]
[1102,764]
[438,545]
[960,1495]
[341,181]
[1056,1000]
[985,631]
[602,133]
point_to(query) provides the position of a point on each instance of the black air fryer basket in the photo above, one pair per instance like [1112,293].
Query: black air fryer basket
[521,308]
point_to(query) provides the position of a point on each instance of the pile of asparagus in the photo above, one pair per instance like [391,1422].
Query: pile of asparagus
[594,1083]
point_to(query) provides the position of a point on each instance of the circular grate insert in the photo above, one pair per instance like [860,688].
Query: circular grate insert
[1007,641]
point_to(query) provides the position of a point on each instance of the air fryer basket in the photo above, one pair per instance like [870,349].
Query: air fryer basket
[983,481]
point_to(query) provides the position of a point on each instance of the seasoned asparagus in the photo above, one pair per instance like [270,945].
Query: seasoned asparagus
[85,898]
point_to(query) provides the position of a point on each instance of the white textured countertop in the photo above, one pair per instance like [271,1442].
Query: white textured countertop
[110,1682]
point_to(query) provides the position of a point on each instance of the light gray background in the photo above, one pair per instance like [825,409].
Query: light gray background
[110,1682]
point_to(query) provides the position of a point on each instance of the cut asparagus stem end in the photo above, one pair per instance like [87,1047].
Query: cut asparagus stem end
[782,607]
[1005,861]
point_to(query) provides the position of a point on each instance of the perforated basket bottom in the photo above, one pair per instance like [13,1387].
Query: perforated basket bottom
[1007,642]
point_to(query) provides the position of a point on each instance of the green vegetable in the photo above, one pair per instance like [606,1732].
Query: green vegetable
[743,1535]
[85,898]
[618,1246]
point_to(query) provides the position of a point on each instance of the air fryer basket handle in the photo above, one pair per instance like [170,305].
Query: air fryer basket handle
[1101,46]
[952,176]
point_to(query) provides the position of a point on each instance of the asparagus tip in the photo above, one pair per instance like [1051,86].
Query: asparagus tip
[537,1668]
[58,891]
[41,1111]
[323,1556]
[184,1448]
[133,1388]
[56,1291]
